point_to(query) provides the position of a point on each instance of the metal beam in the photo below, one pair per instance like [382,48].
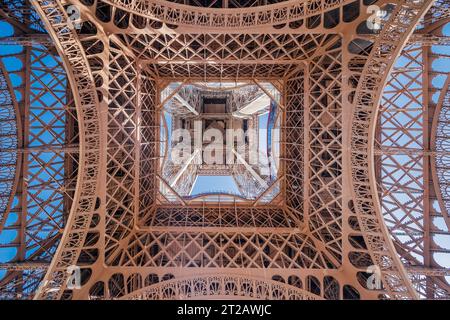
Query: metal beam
[185,104]
[27,40]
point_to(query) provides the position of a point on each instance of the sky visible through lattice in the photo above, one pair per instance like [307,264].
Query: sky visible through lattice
[203,183]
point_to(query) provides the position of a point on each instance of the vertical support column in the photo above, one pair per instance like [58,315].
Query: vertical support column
[325,146]
[159,113]
[103,120]
[254,124]
[24,106]
[198,141]
[347,119]
[71,138]
[292,145]
[346,143]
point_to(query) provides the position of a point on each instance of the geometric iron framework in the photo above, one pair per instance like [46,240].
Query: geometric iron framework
[358,207]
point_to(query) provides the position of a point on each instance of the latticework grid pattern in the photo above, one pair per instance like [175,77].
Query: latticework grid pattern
[328,219]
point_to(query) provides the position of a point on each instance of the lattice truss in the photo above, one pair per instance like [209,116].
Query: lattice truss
[332,211]
[45,152]
[412,158]
[180,178]
[226,4]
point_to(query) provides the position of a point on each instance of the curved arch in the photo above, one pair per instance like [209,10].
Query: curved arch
[206,86]
[387,46]
[82,83]
[9,103]
[180,14]
[406,158]
[224,286]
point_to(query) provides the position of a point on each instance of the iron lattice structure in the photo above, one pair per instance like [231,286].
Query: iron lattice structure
[362,184]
